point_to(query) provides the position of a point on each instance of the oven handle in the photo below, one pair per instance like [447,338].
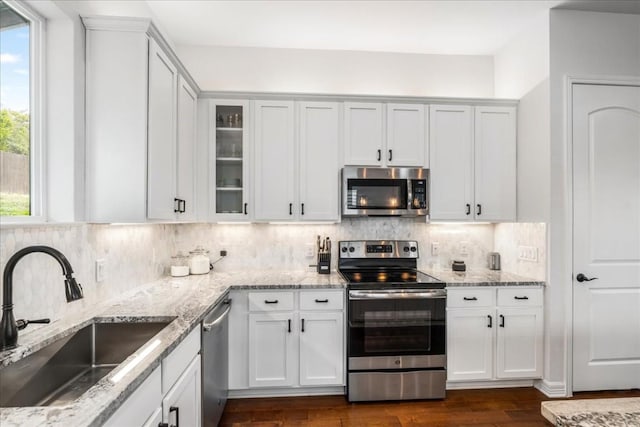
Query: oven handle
[393,294]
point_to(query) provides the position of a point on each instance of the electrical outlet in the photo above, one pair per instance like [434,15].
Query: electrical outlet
[100,270]
[464,248]
[309,250]
[528,253]
[435,248]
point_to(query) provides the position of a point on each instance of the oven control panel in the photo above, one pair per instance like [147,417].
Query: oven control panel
[378,249]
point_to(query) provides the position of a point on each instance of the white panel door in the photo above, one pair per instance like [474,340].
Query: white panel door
[274,189]
[184,400]
[406,142]
[470,343]
[451,162]
[495,163]
[319,165]
[363,134]
[271,349]
[519,346]
[186,149]
[321,348]
[606,237]
[161,142]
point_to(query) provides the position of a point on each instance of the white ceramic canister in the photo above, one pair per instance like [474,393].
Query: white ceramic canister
[199,261]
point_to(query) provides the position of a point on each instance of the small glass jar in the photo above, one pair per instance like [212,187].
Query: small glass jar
[179,265]
[199,261]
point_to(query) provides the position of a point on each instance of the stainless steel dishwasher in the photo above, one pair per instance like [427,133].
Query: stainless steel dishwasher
[215,362]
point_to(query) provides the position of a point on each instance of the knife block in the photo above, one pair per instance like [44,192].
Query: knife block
[324,262]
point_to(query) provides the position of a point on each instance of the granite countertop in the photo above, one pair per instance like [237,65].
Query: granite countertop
[617,412]
[184,302]
[482,277]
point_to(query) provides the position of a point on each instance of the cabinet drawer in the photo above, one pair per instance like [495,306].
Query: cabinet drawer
[518,297]
[270,301]
[177,361]
[471,297]
[321,300]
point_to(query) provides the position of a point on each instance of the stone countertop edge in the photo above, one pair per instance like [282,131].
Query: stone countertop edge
[186,300]
[482,277]
[560,409]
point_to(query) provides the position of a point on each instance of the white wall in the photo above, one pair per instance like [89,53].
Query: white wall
[337,72]
[523,63]
[583,44]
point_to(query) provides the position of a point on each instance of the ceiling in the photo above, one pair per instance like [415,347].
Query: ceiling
[454,27]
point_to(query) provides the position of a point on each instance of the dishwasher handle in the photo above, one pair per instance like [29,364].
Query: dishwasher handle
[209,326]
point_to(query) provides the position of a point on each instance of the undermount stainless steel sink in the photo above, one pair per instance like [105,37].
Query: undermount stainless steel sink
[63,370]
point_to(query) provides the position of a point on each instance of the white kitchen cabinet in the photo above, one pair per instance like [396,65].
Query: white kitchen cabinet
[273,142]
[136,154]
[319,161]
[229,150]
[271,349]
[371,141]
[321,348]
[155,419]
[470,343]
[186,150]
[161,157]
[296,179]
[472,155]
[270,354]
[406,143]
[141,406]
[363,134]
[494,333]
[182,405]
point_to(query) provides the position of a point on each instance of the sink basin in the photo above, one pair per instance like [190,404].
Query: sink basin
[63,370]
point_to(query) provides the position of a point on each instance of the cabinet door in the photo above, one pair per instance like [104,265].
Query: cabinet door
[470,341]
[183,402]
[406,142]
[140,406]
[451,162]
[229,160]
[321,348]
[363,134]
[161,138]
[319,165]
[274,190]
[271,349]
[519,349]
[186,146]
[495,163]
[155,419]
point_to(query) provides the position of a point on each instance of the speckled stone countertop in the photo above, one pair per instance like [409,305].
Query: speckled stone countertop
[617,412]
[482,278]
[183,301]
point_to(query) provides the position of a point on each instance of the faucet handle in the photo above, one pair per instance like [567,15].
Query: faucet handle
[21,323]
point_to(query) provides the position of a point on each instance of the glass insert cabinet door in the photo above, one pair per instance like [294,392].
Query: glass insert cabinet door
[229,148]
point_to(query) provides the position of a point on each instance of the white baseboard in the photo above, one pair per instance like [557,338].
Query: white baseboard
[467,385]
[287,392]
[552,388]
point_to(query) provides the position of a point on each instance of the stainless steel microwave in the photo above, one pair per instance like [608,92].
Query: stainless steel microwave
[385,192]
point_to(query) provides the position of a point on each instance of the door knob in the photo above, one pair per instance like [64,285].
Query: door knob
[582,278]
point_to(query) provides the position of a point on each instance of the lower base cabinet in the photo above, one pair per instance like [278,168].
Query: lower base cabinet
[494,334]
[285,340]
[171,395]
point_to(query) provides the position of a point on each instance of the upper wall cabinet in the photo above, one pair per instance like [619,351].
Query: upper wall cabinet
[297,161]
[473,163]
[140,125]
[371,141]
[230,154]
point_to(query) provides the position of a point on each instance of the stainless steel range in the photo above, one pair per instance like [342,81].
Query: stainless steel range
[396,329]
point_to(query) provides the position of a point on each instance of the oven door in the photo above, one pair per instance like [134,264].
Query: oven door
[396,329]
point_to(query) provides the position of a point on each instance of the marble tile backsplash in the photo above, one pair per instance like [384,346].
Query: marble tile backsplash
[137,254]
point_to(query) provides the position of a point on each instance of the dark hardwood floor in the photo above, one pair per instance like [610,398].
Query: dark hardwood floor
[479,408]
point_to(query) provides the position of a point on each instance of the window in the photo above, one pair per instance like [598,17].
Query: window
[20,117]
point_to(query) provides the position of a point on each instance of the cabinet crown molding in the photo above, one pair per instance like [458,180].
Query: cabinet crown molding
[117,23]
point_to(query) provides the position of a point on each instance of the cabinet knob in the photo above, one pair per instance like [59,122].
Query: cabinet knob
[379,155]
[390,155]
[468,209]
[479,209]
